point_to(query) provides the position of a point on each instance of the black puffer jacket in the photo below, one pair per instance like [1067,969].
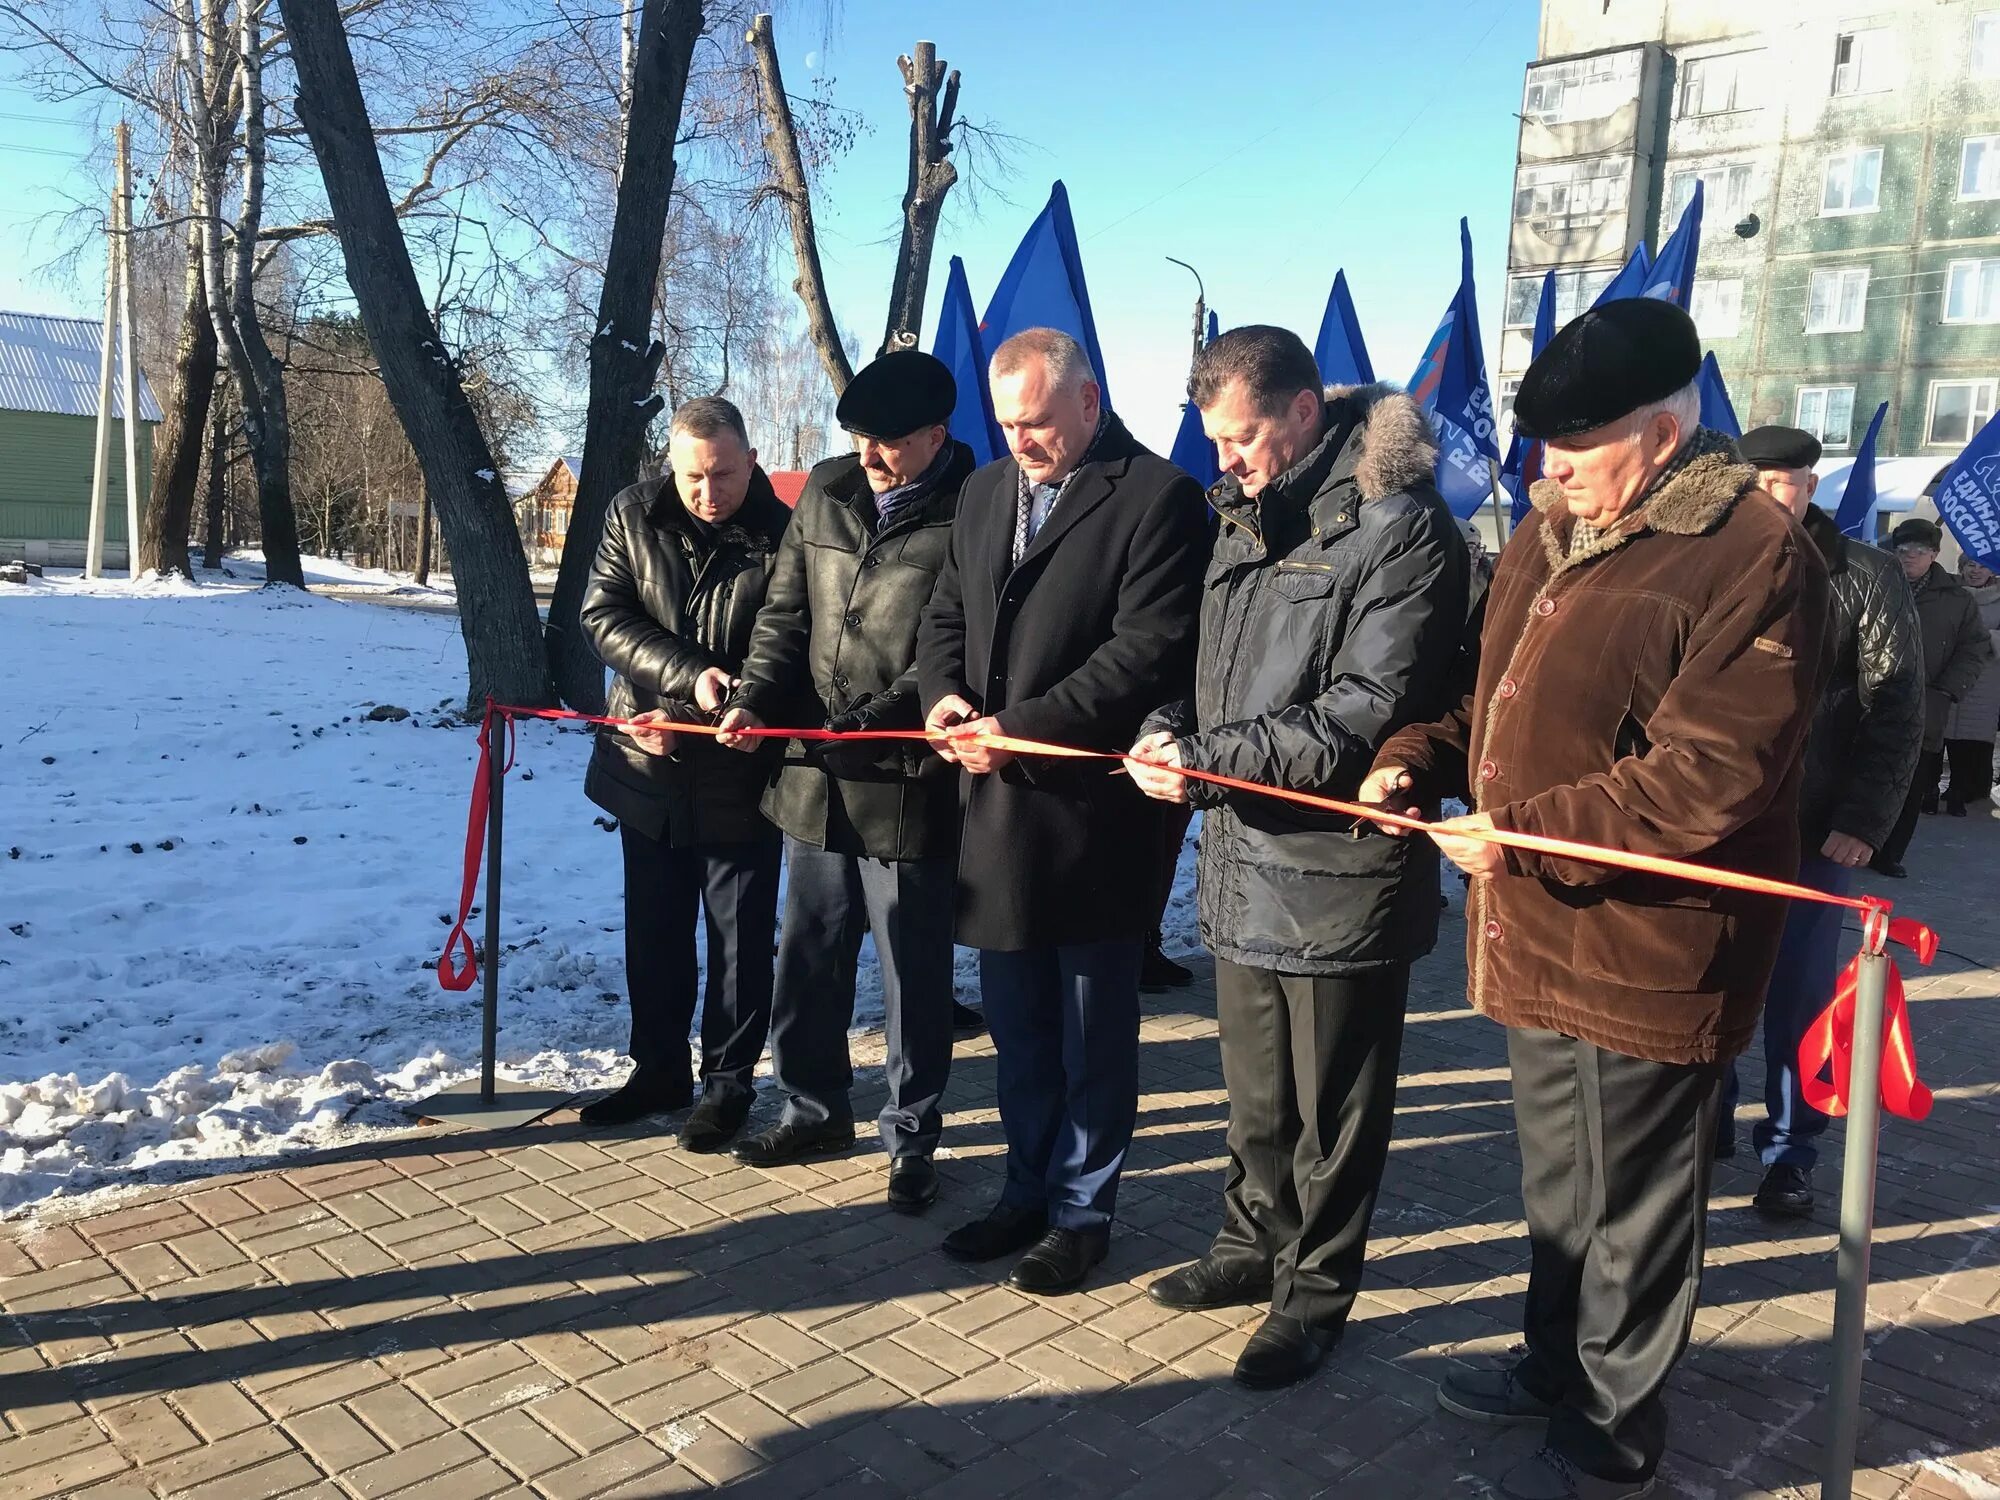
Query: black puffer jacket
[1869,728]
[837,635]
[667,598]
[1333,615]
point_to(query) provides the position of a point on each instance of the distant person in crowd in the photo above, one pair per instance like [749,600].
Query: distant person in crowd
[673,593]
[1066,612]
[1956,651]
[1334,606]
[1861,753]
[871,829]
[1975,718]
[1654,646]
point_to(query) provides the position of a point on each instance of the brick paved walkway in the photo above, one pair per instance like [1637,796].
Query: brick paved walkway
[562,1314]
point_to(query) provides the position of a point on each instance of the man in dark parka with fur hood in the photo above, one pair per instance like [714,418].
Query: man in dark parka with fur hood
[1332,615]
[1655,642]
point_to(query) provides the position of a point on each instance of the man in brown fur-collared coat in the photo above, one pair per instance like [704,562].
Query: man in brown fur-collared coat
[1655,641]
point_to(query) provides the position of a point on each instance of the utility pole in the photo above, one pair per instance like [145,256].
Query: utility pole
[100,476]
[1200,310]
[121,247]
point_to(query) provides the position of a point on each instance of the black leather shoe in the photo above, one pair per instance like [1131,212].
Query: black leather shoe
[1001,1232]
[1206,1284]
[1283,1351]
[1786,1191]
[1059,1261]
[645,1093]
[1955,808]
[1888,867]
[715,1121]
[790,1141]
[1157,972]
[965,1021]
[913,1184]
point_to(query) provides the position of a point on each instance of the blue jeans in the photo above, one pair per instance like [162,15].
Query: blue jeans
[1801,986]
[1065,1025]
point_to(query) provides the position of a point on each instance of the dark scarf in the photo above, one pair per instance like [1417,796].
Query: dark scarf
[891,503]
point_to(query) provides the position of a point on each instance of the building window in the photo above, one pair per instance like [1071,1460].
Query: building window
[1726,192]
[1584,88]
[1827,412]
[1717,308]
[1853,182]
[1959,408]
[1579,191]
[1979,168]
[1575,291]
[1510,386]
[1986,44]
[1860,62]
[1713,85]
[1837,301]
[1972,291]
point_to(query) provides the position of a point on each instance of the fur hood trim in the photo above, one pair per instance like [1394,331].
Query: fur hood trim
[1694,498]
[1398,446]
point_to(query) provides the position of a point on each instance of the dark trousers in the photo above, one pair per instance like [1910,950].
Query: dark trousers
[1923,789]
[1801,986]
[1615,1156]
[1971,772]
[1065,1026]
[1310,1064]
[1174,820]
[736,887]
[831,902]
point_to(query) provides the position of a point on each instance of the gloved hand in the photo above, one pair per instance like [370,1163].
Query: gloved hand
[869,760]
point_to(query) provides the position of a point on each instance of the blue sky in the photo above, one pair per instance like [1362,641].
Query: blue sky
[1266,144]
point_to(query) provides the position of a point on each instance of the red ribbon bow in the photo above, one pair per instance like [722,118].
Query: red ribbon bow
[451,974]
[1830,1038]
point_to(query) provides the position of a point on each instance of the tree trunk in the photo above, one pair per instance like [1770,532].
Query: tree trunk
[624,363]
[424,541]
[933,100]
[215,544]
[163,539]
[496,606]
[781,144]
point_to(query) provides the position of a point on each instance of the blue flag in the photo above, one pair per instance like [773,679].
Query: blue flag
[959,346]
[1042,287]
[1968,497]
[1716,410]
[1672,276]
[1630,280]
[1342,355]
[1523,465]
[1192,450]
[1450,385]
[1857,501]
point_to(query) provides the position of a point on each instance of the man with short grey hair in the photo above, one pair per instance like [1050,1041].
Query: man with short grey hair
[674,592]
[1065,613]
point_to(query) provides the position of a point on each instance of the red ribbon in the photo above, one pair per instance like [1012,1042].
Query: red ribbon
[1830,1037]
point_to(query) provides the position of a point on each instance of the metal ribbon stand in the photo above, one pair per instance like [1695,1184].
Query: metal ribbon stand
[1857,1210]
[491,1103]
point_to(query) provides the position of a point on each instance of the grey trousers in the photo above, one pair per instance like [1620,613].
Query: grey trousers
[1310,1065]
[831,901]
[1615,1158]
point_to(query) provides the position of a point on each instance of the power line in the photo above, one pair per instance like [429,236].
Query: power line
[43,151]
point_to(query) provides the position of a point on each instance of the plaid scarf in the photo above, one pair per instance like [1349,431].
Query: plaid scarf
[1026,523]
[890,503]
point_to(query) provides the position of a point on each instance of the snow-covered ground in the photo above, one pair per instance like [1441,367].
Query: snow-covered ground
[222,888]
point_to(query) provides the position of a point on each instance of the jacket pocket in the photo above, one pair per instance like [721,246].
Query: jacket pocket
[1670,946]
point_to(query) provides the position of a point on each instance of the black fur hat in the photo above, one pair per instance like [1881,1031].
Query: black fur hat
[1605,365]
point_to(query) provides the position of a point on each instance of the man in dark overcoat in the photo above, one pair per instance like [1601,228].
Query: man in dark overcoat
[674,591]
[1655,640]
[871,829]
[1065,613]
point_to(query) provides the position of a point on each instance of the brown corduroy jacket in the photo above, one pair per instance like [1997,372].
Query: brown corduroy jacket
[1651,694]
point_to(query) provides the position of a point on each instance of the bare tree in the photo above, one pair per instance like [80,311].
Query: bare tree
[781,143]
[933,100]
[496,605]
[177,446]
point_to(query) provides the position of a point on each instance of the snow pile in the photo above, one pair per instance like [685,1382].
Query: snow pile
[223,887]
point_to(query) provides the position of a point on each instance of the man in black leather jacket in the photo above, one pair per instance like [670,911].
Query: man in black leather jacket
[871,829]
[675,590]
[1860,755]
[1333,614]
